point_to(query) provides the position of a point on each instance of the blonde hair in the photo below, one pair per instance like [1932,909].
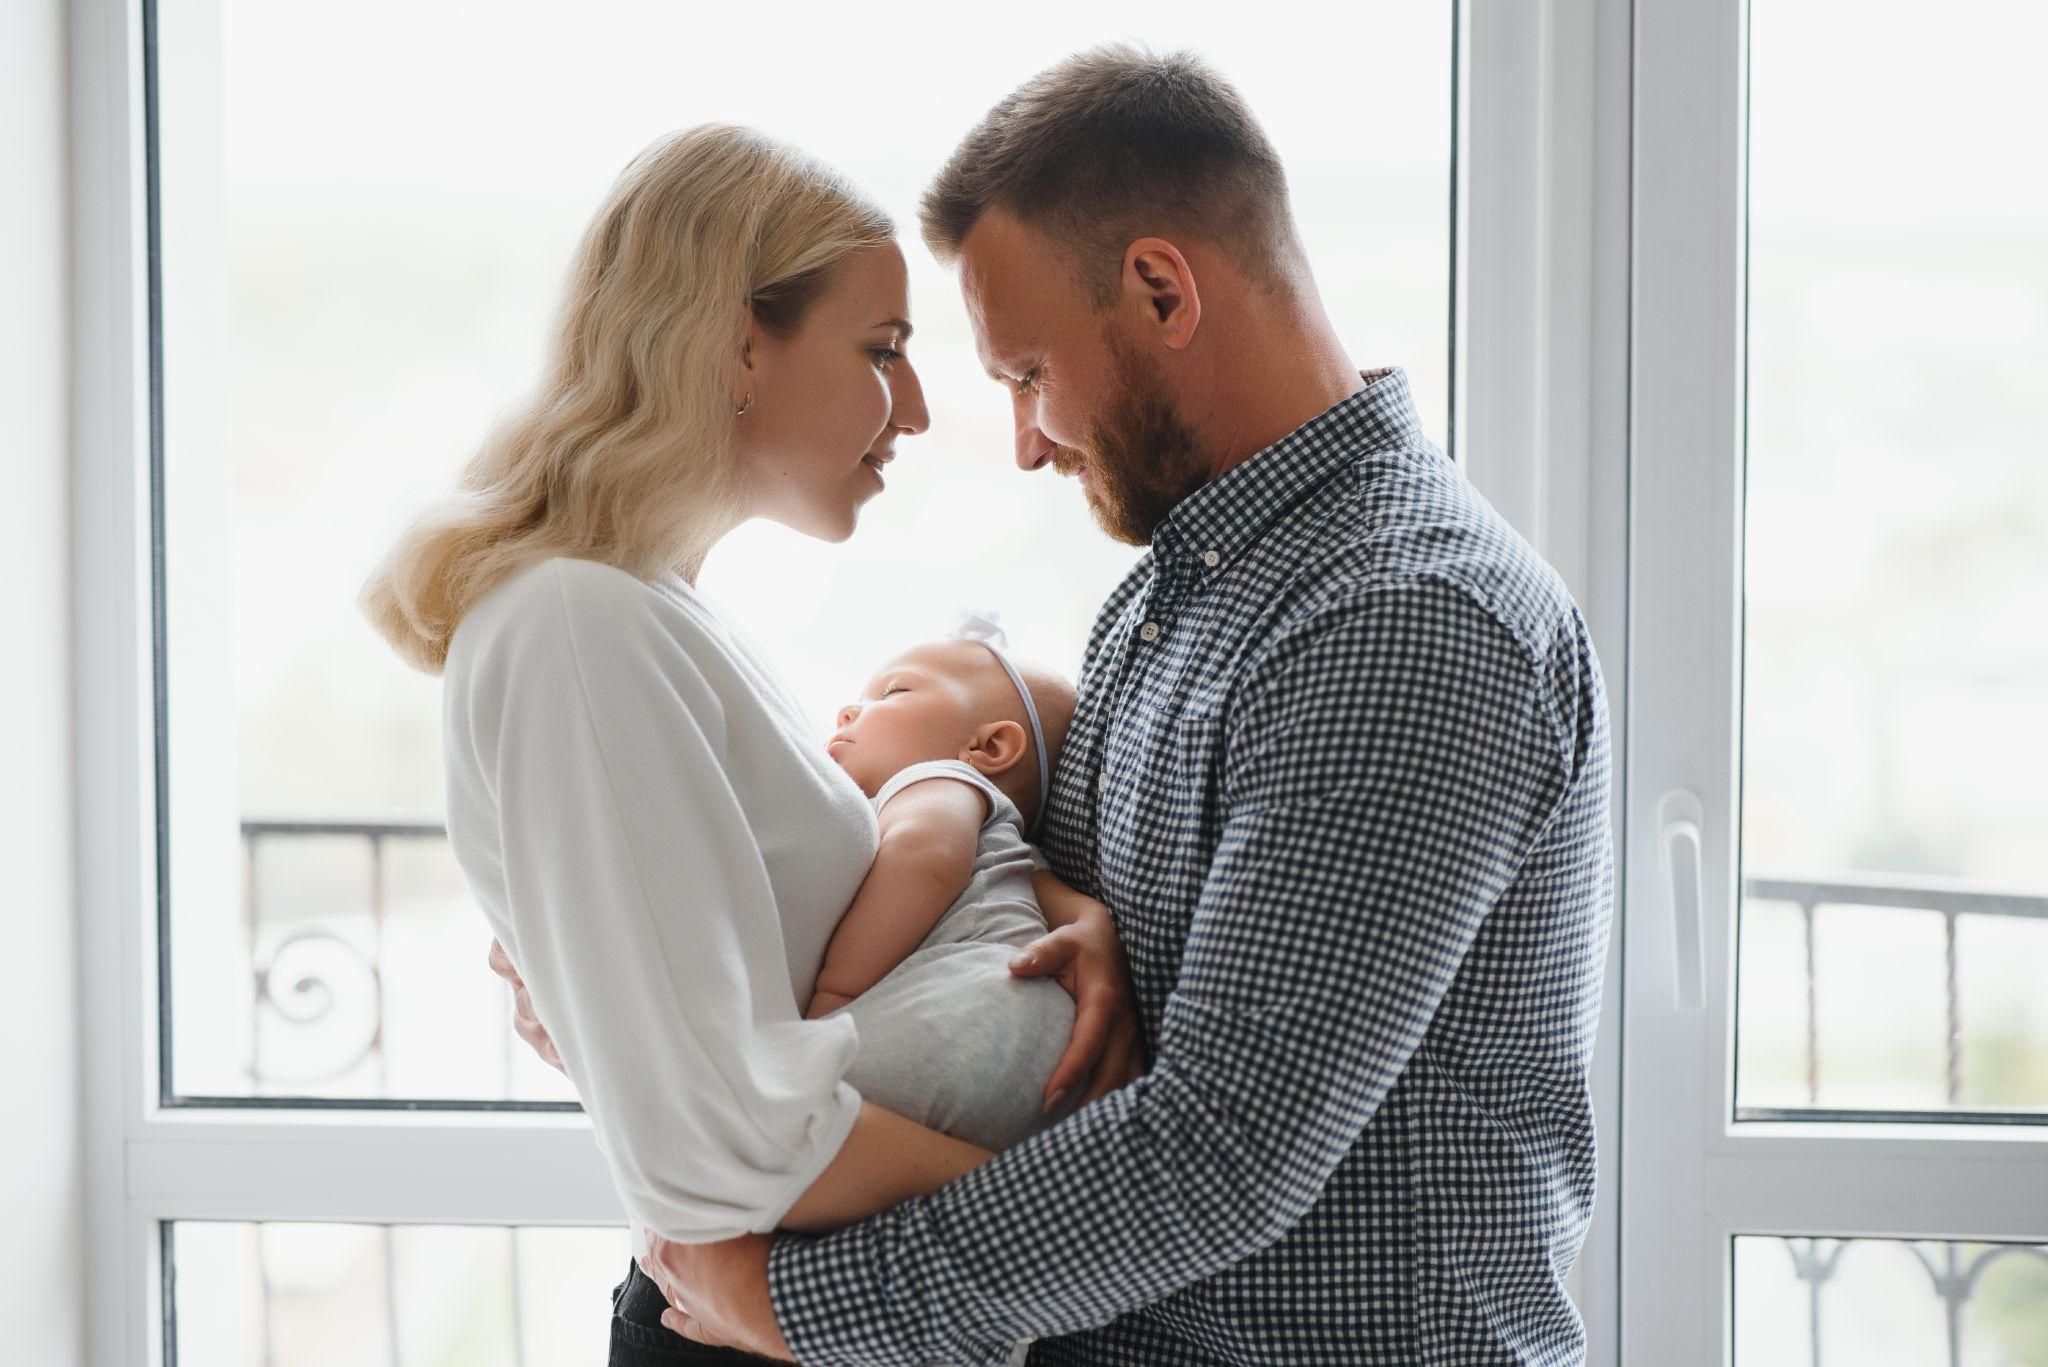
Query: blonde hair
[624,453]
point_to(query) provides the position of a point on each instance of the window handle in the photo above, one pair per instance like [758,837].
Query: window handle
[1679,845]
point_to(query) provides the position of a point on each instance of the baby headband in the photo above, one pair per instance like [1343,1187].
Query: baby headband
[983,627]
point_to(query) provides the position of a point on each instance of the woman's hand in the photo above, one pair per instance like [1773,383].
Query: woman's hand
[1083,953]
[524,1022]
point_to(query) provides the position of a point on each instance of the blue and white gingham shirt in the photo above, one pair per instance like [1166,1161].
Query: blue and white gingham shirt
[1340,770]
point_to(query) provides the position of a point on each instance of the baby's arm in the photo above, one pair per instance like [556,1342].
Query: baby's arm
[923,860]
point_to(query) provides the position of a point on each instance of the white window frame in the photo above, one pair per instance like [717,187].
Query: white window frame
[1694,1178]
[1540,276]
[1541,400]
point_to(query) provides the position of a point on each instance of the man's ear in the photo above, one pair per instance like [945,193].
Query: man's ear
[1159,282]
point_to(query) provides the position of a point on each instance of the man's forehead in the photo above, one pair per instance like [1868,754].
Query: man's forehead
[999,258]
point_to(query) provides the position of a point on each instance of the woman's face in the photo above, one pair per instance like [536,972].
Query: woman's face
[831,399]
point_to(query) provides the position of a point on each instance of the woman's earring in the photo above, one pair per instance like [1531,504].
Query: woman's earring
[741,411]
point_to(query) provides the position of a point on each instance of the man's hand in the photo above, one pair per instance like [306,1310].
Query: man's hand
[1084,955]
[718,1292]
[524,1022]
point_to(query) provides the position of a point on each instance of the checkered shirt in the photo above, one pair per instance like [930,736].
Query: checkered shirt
[1340,771]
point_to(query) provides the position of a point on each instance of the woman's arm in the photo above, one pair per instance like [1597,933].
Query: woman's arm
[924,858]
[588,738]
[886,1158]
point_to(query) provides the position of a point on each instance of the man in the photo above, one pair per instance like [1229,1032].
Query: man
[1339,768]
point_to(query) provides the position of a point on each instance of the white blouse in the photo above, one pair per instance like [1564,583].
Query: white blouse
[655,833]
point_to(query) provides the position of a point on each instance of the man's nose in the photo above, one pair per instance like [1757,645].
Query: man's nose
[1033,449]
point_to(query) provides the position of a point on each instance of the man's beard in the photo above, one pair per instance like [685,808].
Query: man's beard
[1142,458]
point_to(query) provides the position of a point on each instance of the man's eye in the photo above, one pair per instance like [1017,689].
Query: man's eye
[1028,381]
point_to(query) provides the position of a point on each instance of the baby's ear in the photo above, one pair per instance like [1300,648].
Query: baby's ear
[997,747]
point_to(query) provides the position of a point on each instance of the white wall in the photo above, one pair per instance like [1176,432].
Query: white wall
[42,1262]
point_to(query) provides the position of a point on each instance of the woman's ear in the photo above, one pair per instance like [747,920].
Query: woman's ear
[749,373]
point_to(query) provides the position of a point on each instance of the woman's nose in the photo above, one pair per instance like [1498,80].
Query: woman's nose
[908,411]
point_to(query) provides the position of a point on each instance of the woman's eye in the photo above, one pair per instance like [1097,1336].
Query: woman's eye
[887,354]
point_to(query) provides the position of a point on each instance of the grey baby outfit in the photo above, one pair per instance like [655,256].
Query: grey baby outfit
[1003,1034]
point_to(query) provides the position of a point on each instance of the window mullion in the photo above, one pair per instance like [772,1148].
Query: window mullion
[415,1168]
[1686,518]
[1938,1181]
[1542,343]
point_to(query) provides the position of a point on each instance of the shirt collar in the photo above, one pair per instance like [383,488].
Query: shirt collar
[1218,521]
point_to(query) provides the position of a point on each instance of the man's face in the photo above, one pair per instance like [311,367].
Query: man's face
[1087,395]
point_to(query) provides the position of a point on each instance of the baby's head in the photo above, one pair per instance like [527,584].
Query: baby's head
[952,699]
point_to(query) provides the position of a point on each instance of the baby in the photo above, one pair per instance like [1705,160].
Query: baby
[954,744]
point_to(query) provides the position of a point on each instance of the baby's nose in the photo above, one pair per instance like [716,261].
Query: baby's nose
[847,714]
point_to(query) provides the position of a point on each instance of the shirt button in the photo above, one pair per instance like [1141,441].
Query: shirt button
[1102,781]
[1211,559]
[1150,631]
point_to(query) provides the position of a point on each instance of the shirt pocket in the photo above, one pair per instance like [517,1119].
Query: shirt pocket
[1194,748]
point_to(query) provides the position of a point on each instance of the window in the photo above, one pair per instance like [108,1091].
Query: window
[352,287]
[1895,544]
[1837,901]
[311,285]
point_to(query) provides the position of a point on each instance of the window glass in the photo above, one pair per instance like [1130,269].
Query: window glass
[344,1295]
[361,255]
[1894,822]
[1888,1302]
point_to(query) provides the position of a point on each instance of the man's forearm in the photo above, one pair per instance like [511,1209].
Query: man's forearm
[1144,1191]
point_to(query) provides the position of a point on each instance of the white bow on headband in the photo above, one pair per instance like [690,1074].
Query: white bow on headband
[984,626]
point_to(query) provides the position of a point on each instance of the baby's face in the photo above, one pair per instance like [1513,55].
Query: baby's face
[931,702]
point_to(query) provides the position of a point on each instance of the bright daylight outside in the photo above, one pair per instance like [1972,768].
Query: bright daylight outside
[361,256]
[1894,931]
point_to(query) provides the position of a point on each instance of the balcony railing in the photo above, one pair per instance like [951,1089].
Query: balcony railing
[1950,901]
[301,994]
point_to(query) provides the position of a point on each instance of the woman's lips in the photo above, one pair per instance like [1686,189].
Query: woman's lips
[875,466]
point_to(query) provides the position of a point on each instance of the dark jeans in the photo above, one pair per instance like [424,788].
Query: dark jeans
[639,1340]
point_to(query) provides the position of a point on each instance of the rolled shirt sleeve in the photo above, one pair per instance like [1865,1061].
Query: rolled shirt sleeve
[639,912]
[1388,766]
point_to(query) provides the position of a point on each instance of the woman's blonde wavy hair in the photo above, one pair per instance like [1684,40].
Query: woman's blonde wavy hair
[625,451]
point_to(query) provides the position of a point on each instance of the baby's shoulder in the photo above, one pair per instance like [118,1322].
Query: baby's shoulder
[913,789]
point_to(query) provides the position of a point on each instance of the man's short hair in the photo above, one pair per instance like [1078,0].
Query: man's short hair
[1114,144]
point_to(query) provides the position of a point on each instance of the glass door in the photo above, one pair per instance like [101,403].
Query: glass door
[1837,1029]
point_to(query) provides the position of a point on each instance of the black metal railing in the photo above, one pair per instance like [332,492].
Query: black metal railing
[1948,900]
[299,980]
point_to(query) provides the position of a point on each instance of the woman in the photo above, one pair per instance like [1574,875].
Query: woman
[639,805]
